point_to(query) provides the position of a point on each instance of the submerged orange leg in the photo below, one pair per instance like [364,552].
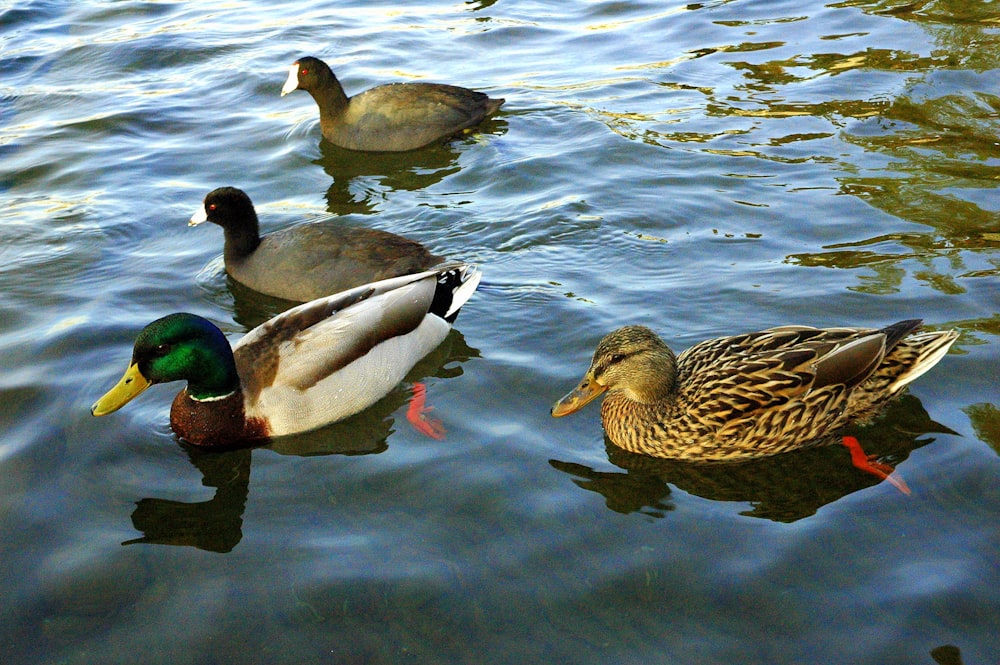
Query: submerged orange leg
[868,463]
[418,414]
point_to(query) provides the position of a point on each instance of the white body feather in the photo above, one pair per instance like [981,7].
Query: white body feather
[297,400]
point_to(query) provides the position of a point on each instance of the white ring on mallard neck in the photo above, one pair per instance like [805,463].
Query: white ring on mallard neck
[199,216]
[293,80]
[213,399]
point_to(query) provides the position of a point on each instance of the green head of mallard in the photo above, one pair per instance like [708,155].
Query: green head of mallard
[174,348]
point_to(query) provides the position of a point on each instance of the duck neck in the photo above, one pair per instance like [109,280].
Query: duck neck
[655,381]
[243,239]
[636,427]
[330,98]
[216,379]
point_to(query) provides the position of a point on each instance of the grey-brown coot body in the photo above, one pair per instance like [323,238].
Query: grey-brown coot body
[308,261]
[388,118]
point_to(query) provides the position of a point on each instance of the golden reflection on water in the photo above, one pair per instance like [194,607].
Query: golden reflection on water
[929,160]
[949,12]
[935,150]
[985,419]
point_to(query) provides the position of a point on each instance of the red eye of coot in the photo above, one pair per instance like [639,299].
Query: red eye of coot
[211,206]
[304,71]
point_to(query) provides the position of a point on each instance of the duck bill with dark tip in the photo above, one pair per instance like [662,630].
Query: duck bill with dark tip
[579,397]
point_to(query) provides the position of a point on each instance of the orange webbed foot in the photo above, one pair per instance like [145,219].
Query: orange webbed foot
[868,464]
[418,414]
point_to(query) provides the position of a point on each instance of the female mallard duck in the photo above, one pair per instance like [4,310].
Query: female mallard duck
[311,365]
[308,261]
[751,395]
[388,118]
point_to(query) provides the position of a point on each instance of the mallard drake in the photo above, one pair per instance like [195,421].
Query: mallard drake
[388,118]
[751,395]
[308,261]
[314,364]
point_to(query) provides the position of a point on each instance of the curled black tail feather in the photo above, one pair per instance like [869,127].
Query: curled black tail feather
[897,331]
[449,286]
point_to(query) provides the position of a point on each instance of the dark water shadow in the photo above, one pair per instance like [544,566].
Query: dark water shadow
[783,488]
[216,525]
[361,180]
[252,308]
[947,654]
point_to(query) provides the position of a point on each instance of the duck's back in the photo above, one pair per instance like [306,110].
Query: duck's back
[737,397]
[330,358]
[405,116]
[312,261]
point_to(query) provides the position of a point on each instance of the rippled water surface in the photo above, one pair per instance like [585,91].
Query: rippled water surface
[703,169]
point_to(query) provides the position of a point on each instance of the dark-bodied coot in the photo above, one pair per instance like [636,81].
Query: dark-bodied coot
[388,118]
[308,261]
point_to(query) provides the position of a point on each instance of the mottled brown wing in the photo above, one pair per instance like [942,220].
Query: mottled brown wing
[727,380]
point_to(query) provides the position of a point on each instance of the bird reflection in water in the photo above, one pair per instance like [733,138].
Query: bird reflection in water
[216,525]
[782,488]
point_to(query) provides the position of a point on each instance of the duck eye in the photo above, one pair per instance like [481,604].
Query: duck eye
[162,349]
[617,358]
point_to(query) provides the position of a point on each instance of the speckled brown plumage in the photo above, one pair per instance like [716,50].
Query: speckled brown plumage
[750,395]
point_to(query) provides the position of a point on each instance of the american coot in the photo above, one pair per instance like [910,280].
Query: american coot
[308,261]
[389,118]
[314,364]
[750,395]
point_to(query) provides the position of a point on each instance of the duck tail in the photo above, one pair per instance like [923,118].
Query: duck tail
[455,285]
[897,331]
[928,348]
[494,104]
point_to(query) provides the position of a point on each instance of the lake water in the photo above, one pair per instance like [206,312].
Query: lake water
[704,169]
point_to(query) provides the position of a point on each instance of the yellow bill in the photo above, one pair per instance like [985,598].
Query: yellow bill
[578,398]
[124,392]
